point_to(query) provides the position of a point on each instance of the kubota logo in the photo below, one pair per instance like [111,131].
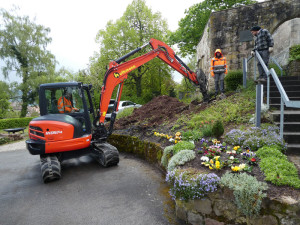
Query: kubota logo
[127,70]
[53,132]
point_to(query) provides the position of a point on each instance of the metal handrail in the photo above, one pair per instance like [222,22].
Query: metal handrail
[284,98]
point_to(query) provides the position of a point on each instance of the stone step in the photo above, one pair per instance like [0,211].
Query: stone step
[286,88]
[293,149]
[289,115]
[276,106]
[286,82]
[277,100]
[289,93]
[288,78]
[290,126]
[292,137]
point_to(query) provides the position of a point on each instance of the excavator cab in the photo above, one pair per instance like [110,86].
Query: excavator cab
[72,99]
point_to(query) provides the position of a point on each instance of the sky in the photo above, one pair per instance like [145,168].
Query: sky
[74,24]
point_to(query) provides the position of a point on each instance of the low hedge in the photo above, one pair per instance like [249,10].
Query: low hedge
[233,79]
[15,122]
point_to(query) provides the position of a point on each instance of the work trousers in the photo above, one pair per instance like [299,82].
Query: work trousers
[219,77]
[265,55]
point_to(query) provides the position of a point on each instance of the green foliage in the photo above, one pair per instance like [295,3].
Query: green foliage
[247,191]
[278,170]
[207,131]
[13,123]
[167,154]
[183,145]
[235,109]
[189,184]
[23,49]
[192,26]
[268,151]
[181,158]
[294,53]
[4,140]
[218,129]
[191,135]
[233,79]
[4,99]
[125,112]
[277,70]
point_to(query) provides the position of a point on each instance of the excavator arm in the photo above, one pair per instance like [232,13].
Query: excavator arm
[117,72]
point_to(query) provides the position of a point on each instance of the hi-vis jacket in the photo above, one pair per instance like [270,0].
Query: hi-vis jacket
[218,65]
[64,105]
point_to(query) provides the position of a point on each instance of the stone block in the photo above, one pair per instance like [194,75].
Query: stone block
[181,213]
[209,221]
[203,206]
[195,218]
[265,220]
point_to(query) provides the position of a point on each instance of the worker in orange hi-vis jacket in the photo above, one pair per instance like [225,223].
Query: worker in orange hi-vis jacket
[218,71]
[64,103]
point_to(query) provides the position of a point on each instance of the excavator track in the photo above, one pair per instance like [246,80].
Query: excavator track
[51,169]
[106,154]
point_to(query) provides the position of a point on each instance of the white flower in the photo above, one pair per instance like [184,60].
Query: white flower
[231,157]
[171,140]
[205,158]
[242,166]
[233,151]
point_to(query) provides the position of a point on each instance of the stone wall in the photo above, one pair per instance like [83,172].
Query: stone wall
[219,205]
[223,27]
[285,36]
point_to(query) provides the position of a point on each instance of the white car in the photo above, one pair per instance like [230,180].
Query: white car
[122,105]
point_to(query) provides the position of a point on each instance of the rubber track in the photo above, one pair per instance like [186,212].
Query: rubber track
[51,169]
[107,155]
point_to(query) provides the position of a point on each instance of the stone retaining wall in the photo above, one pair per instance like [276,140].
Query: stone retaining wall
[218,206]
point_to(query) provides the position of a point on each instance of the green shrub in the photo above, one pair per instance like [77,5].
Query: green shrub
[233,79]
[16,122]
[276,68]
[189,184]
[181,158]
[218,129]
[191,135]
[247,191]
[280,171]
[272,151]
[167,155]
[183,145]
[4,140]
[294,52]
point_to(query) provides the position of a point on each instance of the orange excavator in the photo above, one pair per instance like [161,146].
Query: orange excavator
[61,132]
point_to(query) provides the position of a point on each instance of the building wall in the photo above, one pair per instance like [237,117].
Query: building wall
[223,27]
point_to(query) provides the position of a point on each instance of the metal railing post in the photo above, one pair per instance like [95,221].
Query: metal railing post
[254,61]
[258,105]
[268,92]
[281,117]
[244,72]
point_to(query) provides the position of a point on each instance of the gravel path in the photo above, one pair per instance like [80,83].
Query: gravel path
[20,145]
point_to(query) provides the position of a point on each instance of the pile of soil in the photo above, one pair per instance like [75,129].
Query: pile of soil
[160,114]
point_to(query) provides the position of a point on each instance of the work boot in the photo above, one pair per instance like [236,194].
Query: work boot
[222,96]
[260,80]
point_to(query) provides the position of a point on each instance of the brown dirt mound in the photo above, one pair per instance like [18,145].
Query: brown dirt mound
[155,112]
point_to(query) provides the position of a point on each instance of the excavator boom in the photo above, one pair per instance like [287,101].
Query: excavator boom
[118,73]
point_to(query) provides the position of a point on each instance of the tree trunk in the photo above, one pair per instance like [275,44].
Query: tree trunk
[138,82]
[24,90]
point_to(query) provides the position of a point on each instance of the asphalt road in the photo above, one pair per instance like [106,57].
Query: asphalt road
[131,193]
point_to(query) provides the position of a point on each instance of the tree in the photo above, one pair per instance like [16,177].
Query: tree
[23,49]
[135,28]
[4,99]
[191,27]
